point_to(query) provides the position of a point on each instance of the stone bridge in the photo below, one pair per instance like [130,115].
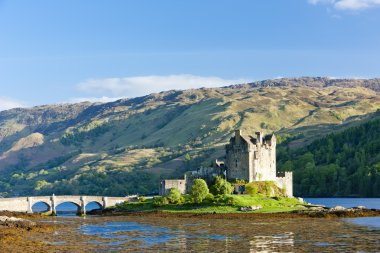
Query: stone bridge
[25,204]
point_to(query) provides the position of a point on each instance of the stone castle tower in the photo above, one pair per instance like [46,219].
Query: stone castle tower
[253,158]
[250,158]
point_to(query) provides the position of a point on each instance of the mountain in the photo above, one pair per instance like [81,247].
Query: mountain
[126,146]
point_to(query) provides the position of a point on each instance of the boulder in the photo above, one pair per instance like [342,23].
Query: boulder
[16,222]
[316,208]
[250,208]
[338,208]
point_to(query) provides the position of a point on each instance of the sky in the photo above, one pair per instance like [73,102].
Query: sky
[94,50]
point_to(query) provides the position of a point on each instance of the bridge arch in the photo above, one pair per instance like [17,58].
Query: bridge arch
[59,205]
[58,202]
[90,205]
[36,206]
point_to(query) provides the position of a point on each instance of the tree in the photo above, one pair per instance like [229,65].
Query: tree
[174,196]
[187,157]
[160,201]
[221,186]
[40,184]
[199,190]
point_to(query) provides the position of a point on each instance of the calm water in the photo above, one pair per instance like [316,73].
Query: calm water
[373,222]
[346,202]
[152,234]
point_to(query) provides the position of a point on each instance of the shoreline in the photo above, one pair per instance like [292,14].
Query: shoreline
[356,213]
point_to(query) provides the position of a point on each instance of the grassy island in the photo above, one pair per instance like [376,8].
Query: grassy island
[261,197]
[220,204]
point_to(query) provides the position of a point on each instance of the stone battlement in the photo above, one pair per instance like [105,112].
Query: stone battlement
[284,173]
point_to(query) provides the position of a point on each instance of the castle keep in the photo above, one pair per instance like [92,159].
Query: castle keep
[249,158]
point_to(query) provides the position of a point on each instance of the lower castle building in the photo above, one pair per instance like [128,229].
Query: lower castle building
[248,157]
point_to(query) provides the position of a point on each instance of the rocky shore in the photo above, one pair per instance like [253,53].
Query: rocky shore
[17,230]
[6,221]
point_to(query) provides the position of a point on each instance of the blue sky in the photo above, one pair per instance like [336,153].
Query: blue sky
[68,51]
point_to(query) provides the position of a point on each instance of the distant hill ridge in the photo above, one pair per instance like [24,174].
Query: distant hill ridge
[315,82]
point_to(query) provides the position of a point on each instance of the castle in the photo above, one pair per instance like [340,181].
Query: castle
[249,158]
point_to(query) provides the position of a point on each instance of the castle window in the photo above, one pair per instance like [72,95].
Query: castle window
[236,163]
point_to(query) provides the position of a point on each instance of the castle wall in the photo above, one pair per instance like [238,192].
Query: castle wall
[284,180]
[238,162]
[166,185]
[264,163]
[206,173]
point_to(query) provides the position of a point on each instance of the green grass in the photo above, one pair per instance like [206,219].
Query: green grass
[270,205]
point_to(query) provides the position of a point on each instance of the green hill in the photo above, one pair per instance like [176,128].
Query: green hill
[126,146]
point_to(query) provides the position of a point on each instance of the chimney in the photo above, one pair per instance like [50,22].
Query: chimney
[237,135]
[259,137]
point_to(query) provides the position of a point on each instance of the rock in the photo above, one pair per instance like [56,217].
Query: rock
[16,222]
[361,207]
[338,208]
[316,208]
[301,200]
[250,208]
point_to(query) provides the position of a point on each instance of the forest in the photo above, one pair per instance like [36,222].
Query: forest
[341,164]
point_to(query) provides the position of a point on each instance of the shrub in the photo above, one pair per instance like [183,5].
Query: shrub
[267,188]
[160,201]
[231,201]
[142,199]
[209,198]
[182,200]
[221,186]
[220,199]
[199,190]
[174,196]
[251,189]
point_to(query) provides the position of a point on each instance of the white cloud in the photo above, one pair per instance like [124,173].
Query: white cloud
[321,1]
[143,85]
[8,103]
[103,99]
[348,4]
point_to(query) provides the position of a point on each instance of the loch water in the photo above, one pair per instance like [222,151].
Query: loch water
[155,234]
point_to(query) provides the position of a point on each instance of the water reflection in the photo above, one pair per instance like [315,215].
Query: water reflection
[261,244]
[147,236]
[154,234]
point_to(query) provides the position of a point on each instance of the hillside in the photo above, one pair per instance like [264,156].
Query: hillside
[125,146]
[340,164]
